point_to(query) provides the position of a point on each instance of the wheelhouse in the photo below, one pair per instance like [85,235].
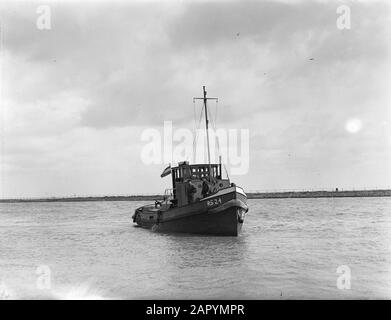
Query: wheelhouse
[189,182]
[184,172]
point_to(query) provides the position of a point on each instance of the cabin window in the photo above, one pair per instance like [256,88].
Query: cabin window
[196,172]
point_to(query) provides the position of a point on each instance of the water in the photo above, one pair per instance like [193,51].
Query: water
[289,249]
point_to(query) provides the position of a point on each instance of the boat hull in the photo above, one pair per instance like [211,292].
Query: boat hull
[221,214]
[224,223]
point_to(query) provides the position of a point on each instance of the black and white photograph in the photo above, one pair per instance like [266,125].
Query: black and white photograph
[195,150]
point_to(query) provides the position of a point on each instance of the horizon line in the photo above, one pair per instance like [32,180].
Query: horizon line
[75,196]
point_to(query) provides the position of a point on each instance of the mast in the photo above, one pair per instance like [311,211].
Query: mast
[205,99]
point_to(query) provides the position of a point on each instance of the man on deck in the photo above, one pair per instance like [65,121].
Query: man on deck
[205,188]
[191,190]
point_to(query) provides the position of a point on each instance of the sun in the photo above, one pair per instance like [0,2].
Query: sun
[353,125]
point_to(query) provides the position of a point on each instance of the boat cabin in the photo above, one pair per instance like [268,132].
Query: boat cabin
[191,183]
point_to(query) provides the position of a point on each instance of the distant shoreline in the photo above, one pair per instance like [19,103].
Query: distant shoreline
[256,195]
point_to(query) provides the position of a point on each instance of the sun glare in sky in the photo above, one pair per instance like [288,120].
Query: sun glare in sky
[353,125]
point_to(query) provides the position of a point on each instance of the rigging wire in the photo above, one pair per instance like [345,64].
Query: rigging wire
[215,130]
[195,116]
[214,120]
[196,130]
[217,137]
[195,127]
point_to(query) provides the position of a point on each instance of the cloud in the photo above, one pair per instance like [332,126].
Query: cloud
[76,98]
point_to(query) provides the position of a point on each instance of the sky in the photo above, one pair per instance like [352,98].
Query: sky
[77,98]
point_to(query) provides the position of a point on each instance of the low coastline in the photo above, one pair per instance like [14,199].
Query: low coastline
[250,195]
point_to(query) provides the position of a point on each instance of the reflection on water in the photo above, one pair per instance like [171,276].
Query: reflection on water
[189,260]
[289,248]
[194,251]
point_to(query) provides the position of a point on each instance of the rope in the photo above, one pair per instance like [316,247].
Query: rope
[196,129]
[215,129]
[217,138]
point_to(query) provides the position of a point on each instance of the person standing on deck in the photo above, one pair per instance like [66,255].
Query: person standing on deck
[191,190]
[205,188]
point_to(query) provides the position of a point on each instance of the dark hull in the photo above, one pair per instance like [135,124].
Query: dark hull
[220,215]
[224,223]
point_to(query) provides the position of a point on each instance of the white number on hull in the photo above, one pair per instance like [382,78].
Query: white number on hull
[213,202]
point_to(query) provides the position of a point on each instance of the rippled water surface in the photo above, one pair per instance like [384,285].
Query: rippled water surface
[289,249]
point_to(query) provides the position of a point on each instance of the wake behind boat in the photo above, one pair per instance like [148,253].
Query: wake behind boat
[201,201]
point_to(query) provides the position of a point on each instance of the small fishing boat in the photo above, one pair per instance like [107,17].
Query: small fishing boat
[200,201]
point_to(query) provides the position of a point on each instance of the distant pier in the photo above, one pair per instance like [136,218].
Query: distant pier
[80,199]
[250,195]
[320,194]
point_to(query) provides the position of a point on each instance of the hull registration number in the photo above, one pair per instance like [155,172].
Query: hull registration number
[213,202]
